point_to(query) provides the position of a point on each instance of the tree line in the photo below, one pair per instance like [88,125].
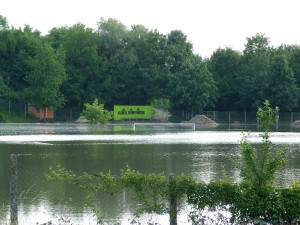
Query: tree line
[74,65]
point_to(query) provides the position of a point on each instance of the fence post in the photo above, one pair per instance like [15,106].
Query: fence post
[13,190]
[172,201]
[71,115]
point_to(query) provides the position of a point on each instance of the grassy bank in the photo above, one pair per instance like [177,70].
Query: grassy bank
[15,118]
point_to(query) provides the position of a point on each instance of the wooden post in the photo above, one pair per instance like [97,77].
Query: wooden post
[173,203]
[13,190]
[71,115]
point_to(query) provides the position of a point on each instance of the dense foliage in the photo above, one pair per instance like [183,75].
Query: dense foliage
[74,65]
[255,200]
[96,113]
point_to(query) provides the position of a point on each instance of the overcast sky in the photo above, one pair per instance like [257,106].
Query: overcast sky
[208,24]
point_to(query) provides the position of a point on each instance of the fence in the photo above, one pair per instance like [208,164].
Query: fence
[61,115]
[248,117]
[30,177]
[221,117]
[27,189]
[13,107]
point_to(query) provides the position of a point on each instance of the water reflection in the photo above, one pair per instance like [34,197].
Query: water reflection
[202,154]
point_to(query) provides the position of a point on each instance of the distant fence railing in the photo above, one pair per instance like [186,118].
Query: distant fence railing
[221,117]
[248,117]
[62,115]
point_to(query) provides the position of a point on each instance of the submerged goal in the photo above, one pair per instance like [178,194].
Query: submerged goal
[163,126]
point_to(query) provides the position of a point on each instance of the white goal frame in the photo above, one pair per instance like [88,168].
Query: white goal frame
[193,125]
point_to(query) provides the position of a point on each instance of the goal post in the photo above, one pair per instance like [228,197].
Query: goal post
[164,126]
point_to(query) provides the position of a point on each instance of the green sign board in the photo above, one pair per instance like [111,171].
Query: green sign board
[122,112]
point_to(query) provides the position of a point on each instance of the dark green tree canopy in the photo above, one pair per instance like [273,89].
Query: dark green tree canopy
[225,65]
[118,65]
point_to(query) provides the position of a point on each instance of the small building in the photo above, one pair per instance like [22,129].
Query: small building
[41,113]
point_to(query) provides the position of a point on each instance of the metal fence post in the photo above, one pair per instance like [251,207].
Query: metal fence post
[173,203]
[13,190]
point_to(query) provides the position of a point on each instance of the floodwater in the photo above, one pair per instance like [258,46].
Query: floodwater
[82,148]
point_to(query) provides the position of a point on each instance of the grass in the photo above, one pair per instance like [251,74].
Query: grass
[14,117]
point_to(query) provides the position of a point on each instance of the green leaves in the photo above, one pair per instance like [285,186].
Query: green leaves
[47,73]
[258,166]
[193,87]
[96,113]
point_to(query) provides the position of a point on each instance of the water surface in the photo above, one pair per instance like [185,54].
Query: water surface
[81,148]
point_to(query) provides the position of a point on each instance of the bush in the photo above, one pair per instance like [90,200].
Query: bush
[96,113]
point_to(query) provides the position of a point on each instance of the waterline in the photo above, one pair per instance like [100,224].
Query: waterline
[194,137]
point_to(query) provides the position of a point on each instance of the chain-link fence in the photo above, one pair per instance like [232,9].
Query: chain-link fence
[35,200]
[228,117]
[13,107]
[61,115]
[67,115]
[221,117]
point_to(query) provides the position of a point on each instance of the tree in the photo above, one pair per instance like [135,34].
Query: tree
[3,23]
[257,43]
[193,88]
[147,76]
[295,59]
[112,42]
[294,63]
[84,65]
[47,73]
[258,168]
[284,91]
[96,113]
[179,49]
[253,79]
[225,65]
[31,70]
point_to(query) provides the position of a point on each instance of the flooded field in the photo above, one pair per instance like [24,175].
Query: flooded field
[82,148]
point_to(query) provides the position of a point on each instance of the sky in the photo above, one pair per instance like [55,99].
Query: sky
[208,24]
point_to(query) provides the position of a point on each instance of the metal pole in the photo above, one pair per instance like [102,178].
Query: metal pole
[173,203]
[229,116]
[71,114]
[13,190]
[292,117]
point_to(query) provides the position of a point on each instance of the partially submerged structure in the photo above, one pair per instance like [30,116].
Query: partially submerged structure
[42,112]
[202,121]
[295,124]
